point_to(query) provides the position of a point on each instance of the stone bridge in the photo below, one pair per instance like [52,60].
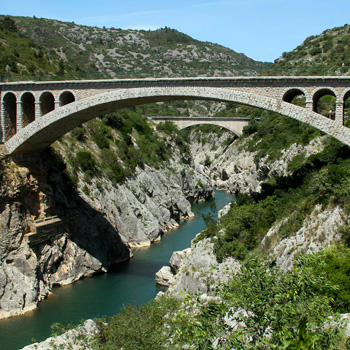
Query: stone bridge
[235,125]
[35,114]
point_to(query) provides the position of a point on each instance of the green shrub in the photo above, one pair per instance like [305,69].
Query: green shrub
[85,161]
[79,133]
[136,327]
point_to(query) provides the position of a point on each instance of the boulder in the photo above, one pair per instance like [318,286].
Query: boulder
[164,276]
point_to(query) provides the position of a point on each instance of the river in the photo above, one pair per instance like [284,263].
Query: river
[105,294]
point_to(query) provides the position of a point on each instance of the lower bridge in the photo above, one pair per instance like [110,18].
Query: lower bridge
[235,125]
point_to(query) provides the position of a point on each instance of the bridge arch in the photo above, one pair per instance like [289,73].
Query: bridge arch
[47,102]
[27,101]
[44,131]
[210,123]
[289,93]
[9,117]
[319,93]
[234,125]
[66,97]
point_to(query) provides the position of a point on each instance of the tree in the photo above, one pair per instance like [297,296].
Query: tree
[8,24]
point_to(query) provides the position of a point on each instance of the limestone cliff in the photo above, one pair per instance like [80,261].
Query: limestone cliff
[235,170]
[96,231]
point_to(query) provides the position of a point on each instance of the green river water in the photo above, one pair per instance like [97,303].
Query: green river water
[105,294]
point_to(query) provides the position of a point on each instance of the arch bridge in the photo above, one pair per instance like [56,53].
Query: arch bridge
[235,125]
[35,114]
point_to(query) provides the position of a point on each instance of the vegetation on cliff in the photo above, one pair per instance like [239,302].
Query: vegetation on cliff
[20,55]
[324,54]
[114,145]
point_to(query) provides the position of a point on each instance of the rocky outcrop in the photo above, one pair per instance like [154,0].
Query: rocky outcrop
[75,339]
[208,146]
[164,276]
[196,270]
[320,229]
[150,203]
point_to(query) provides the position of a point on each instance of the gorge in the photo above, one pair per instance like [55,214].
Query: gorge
[272,272]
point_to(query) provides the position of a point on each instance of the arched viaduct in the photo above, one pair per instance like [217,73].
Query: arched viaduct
[35,114]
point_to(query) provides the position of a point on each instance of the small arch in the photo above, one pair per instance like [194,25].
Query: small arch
[295,96]
[28,108]
[346,111]
[9,104]
[323,102]
[47,102]
[66,97]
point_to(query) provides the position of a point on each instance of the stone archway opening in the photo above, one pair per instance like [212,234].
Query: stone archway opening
[296,97]
[324,102]
[28,108]
[47,103]
[10,112]
[66,97]
[346,115]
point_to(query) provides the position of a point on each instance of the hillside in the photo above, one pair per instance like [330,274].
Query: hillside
[20,55]
[92,52]
[324,54]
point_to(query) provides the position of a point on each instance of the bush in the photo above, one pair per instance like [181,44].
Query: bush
[85,161]
[136,327]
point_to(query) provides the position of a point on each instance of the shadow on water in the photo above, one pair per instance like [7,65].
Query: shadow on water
[105,294]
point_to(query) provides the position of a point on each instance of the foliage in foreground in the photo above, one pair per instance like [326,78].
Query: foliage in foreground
[262,308]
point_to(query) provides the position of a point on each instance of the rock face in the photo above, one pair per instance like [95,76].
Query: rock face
[208,146]
[74,339]
[151,202]
[318,230]
[87,243]
[235,170]
[97,230]
[198,271]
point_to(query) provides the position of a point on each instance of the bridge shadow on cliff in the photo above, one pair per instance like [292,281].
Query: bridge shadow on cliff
[87,227]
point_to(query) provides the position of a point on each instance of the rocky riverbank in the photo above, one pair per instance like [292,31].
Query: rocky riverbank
[96,230]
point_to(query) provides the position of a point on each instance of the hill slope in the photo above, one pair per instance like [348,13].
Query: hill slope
[324,54]
[92,52]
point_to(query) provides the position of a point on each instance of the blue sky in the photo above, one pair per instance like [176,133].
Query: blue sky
[262,29]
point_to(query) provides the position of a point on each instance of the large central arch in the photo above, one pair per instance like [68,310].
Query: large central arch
[44,131]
